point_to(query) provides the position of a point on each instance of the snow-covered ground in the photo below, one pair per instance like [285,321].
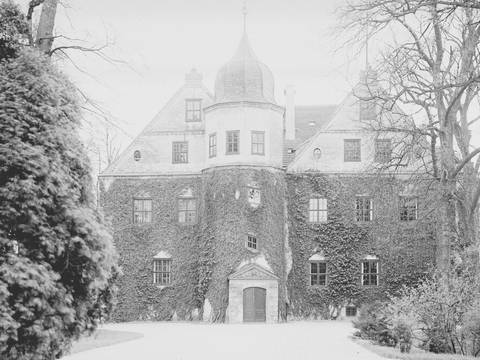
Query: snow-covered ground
[198,341]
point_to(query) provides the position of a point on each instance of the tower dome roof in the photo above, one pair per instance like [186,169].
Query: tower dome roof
[244,78]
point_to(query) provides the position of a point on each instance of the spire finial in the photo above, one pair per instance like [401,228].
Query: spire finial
[244,12]
[366,45]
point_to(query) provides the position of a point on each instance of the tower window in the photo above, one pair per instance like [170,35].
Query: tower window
[233,142]
[187,211]
[193,110]
[180,152]
[364,208]
[370,272]
[318,273]
[258,143]
[142,211]
[212,145]
[317,210]
[408,208]
[352,150]
[252,242]
[162,270]
[383,150]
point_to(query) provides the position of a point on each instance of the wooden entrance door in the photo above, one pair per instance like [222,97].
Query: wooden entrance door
[254,303]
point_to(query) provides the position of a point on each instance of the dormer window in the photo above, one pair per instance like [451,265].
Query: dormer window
[193,110]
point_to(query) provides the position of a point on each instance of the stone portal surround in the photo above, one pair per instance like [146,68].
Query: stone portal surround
[252,275]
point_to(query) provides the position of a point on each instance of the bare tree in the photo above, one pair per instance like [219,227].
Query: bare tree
[430,67]
[46,25]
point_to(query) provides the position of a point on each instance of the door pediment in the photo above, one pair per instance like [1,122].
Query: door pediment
[252,272]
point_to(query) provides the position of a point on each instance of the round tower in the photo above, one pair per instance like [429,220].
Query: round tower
[244,189]
[245,125]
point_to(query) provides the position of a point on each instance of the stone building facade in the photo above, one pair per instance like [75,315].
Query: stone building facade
[231,207]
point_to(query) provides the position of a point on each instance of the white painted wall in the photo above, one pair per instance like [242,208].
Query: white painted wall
[246,119]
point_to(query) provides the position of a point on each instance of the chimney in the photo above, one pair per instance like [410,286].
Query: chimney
[193,78]
[289,112]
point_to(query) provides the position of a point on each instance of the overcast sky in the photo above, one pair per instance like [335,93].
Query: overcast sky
[161,40]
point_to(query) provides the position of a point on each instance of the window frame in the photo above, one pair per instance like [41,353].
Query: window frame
[192,111]
[175,159]
[228,143]
[361,212]
[405,208]
[212,145]
[187,217]
[255,145]
[370,274]
[158,271]
[350,307]
[352,155]
[318,212]
[385,156]
[318,274]
[142,211]
[252,239]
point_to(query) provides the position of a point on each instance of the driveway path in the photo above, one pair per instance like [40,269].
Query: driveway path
[303,340]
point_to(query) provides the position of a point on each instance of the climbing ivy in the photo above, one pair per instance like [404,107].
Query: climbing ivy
[405,250]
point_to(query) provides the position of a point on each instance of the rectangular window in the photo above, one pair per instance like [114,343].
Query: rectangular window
[212,145]
[408,208]
[383,150]
[352,150]
[258,143]
[370,272]
[193,110]
[142,211]
[351,311]
[367,110]
[180,152]
[317,210]
[251,242]
[233,142]
[162,270]
[364,208]
[187,211]
[318,273]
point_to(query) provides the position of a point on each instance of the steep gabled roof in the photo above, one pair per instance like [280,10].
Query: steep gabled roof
[151,141]
[308,120]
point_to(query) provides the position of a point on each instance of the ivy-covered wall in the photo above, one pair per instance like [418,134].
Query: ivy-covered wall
[137,244]
[206,253]
[228,218]
[406,250]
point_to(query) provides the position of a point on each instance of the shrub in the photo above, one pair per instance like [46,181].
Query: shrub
[372,324]
[443,313]
[57,260]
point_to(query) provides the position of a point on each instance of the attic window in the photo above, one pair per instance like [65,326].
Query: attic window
[137,155]
[193,110]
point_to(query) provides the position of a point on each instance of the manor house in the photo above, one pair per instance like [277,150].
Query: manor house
[232,207]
